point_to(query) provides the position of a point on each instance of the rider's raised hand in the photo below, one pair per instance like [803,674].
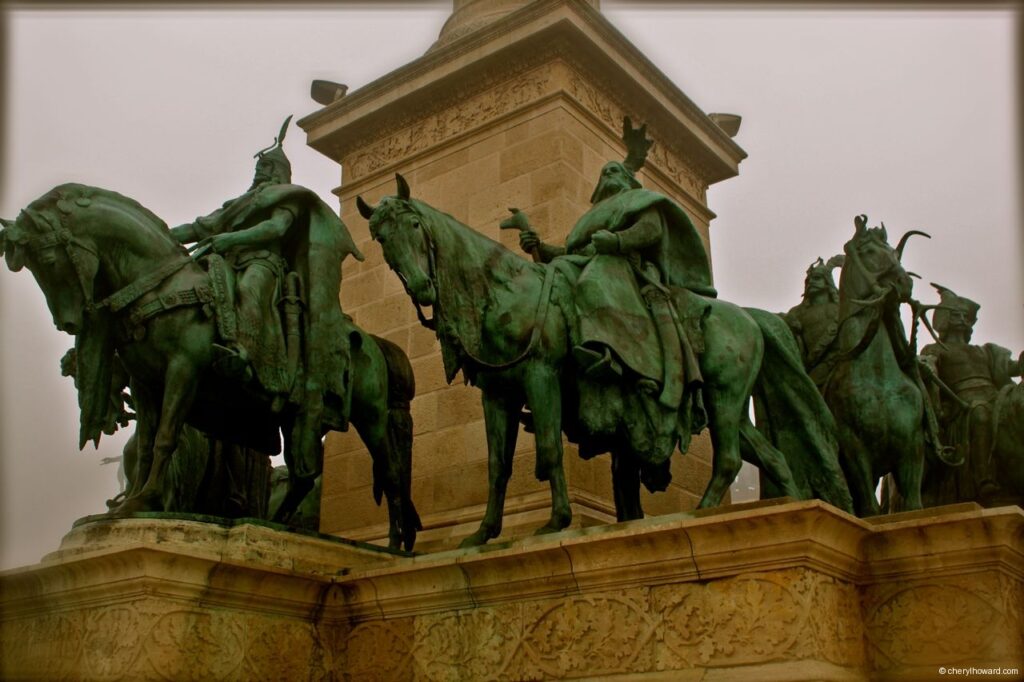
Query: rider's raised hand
[528,241]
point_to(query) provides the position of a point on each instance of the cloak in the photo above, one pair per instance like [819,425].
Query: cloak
[681,256]
[314,247]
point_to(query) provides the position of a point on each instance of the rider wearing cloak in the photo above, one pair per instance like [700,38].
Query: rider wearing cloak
[283,248]
[976,382]
[635,260]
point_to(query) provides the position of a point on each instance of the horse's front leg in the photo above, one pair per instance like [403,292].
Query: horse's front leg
[501,421]
[544,398]
[180,383]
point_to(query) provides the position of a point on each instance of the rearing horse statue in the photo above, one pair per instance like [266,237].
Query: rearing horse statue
[874,389]
[506,323]
[114,277]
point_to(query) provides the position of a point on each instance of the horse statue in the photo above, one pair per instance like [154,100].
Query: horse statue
[874,388]
[115,278]
[506,323]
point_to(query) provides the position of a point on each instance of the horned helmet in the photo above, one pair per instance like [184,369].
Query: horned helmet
[272,165]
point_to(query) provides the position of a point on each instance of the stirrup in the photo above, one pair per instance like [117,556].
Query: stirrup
[596,365]
[231,363]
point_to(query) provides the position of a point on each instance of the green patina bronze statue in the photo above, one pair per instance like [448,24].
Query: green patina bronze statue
[616,339]
[873,385]
[981,410]
[204,340]
[814,321]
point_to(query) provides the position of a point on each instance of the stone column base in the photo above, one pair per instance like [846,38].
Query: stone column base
[770,591]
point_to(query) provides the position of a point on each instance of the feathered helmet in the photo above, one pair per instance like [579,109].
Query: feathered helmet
[949,302]
[821,270]
[637,146]
[273,160]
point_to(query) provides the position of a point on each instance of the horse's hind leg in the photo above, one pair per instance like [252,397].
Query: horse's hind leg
[859,475]
[724,423]
[761,453]
[298,486]
[626,487]
[501,420]
[371,424]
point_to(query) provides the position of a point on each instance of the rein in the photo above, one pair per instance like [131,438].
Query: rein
[62,236]
[540,317]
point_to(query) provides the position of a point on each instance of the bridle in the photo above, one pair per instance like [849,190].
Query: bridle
[73,247]
[428,244]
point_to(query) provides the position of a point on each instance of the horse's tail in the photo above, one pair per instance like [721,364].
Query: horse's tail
[401,391]
[793,416]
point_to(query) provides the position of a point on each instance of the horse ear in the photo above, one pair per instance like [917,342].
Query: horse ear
[403,187]
[365,209]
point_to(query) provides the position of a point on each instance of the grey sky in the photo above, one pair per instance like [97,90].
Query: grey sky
[906,116]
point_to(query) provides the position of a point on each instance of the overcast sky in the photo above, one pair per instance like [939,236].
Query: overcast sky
[907,116]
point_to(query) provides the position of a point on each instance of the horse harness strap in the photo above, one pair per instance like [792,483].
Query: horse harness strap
[538,325]
[197,295]
[143,285]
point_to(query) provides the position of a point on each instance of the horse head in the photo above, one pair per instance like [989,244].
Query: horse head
[404,236]
[64,265]
[873,272]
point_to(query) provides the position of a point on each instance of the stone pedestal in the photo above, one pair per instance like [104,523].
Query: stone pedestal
[509,109]
[766,591]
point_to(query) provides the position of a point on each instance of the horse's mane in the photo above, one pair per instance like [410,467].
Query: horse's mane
[469,268]
[74,193]
[466,235]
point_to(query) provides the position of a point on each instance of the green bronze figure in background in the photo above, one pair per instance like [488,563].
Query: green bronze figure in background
[223,358]
[874,389]
[981,410]
[815,320]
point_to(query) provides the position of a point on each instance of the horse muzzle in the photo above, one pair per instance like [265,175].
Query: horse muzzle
[423,291]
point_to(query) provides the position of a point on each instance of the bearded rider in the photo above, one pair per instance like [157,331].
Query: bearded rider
[273,229]
[972,378]
[634,257]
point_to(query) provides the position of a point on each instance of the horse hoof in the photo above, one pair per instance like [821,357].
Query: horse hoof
[475,540]
[551,528]
[136,504]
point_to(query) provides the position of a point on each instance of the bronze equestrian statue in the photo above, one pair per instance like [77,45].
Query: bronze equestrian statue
[203,339]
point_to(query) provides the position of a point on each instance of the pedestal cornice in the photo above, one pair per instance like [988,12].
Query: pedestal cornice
[544,29]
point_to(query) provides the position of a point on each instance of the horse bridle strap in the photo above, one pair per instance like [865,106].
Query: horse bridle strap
[59,235]
[127,295]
